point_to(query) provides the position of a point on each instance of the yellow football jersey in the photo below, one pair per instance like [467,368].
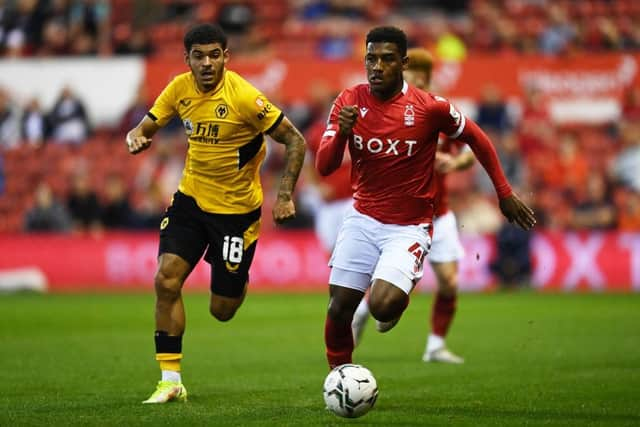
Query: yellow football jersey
[225,130]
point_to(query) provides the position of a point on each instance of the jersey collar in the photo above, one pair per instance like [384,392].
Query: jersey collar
[403,91]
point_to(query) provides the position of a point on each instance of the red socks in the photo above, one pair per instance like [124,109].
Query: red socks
[339,342]
[444,307]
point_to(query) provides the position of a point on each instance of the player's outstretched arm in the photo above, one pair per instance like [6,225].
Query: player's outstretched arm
[515,210]
[287,134]
[139,138]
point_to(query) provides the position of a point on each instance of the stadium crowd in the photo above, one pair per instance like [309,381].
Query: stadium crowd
[330,28]
[59,172]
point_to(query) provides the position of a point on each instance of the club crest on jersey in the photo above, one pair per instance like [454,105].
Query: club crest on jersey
[409,115]
[188,126]
[221,111]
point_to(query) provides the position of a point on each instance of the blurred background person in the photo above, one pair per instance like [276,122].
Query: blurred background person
[82,202]
[68,120]
[46,213]
[115,210]
[9,127]
[33,124]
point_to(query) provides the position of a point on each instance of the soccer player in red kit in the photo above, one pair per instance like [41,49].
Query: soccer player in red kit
[446,249]
[391,130]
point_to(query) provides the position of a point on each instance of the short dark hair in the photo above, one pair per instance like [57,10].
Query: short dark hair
[204,34]
[389,35]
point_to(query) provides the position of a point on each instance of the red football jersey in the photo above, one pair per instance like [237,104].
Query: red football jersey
[392,147]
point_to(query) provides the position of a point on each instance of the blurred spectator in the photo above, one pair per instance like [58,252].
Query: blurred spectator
[593,208]
[628,207]
[236,16]
[568,168]
[150,208]
[82,203]
[162,170]
[626,165]
[21,27]
[68,119]
[55,39]
[83,44]
[136,42]
[116,211]
[631,104]
[2,177]
[335,42]
[9,126]
[511,160]
[534,127]
[47,213]
[321,9]
[559,33]
[512,263]
[492,110]
[136,111]
[33,123]
[90,19]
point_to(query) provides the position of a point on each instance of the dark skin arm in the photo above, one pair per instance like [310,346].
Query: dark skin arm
[138,139]
[515,210]
[295,145]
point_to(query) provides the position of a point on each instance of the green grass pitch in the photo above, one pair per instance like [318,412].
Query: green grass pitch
[532,359]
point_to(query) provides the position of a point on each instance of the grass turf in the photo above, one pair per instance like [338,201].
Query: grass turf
[532,359]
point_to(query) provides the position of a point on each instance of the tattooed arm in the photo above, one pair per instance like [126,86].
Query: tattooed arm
[287,134]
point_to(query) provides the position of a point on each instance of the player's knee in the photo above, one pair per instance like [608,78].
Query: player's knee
[224,309]
[167,287]
[341,308]
[222,314]
[388,307]
[448,284]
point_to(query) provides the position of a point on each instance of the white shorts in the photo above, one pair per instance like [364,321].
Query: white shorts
[367,249]
[328,220]
[446,245]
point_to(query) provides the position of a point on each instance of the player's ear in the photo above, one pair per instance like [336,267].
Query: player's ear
[225,56]
[405,62]
[186,58]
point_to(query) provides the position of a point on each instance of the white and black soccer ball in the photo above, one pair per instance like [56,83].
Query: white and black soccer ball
[350,390]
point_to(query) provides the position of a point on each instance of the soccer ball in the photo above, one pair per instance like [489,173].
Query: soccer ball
[350,390]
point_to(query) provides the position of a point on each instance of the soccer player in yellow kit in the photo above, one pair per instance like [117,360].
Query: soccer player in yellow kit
[216,210]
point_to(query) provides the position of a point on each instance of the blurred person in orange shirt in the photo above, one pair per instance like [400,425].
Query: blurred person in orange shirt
[627,202]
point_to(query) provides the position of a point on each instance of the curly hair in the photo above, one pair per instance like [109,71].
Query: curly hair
[390,35]
[204,34]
